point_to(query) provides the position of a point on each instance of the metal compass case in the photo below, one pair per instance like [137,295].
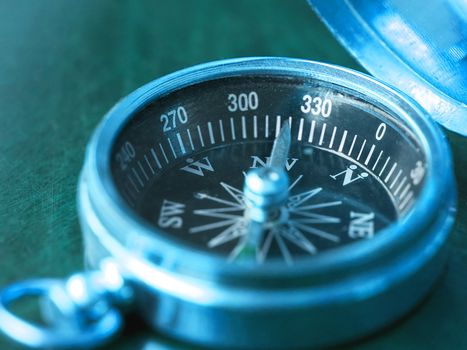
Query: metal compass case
[253,203]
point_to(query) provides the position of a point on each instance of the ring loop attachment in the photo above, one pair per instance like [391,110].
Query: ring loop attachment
[79,312]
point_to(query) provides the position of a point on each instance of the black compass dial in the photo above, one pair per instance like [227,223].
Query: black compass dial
[353,168]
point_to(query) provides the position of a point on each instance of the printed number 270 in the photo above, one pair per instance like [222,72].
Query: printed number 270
[173,117]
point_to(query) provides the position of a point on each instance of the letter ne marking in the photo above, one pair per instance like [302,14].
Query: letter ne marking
[361,225]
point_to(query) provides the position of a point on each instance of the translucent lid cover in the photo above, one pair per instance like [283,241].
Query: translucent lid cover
[417,46]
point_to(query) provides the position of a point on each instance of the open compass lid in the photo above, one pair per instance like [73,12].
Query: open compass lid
[417,46]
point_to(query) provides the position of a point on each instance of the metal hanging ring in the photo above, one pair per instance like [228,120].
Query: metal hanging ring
[36,336]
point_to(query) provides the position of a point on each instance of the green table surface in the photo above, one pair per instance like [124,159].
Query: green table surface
[63,64]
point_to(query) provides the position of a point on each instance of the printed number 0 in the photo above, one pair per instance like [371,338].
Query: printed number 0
[380,131]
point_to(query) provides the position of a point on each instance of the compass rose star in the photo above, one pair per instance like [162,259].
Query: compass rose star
[301,221]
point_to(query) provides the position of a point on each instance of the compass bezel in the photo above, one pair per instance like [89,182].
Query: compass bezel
[145,242]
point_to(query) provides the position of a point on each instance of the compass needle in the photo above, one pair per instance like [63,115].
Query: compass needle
[265,192]
[281,147]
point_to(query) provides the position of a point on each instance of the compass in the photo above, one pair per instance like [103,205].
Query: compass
[257,203]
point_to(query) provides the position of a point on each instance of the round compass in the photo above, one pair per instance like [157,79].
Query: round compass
[268,203]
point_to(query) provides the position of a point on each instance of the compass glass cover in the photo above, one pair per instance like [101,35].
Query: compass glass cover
[354,166]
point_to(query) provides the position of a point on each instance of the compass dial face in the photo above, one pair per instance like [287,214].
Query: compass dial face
[353,166]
